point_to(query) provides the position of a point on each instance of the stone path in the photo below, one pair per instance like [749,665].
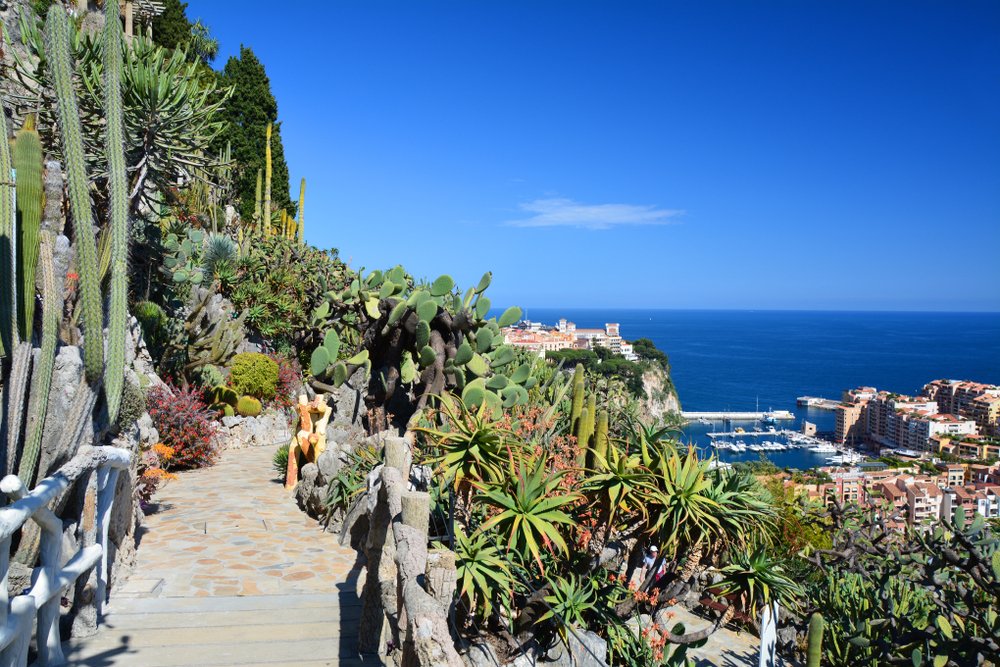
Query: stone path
[724,648]
[231,572]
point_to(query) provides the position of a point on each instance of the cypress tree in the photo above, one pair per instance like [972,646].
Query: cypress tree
[247,114]
[171,28]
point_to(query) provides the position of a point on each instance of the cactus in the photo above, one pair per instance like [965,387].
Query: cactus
[579,394]
[815,650]
[8,281]
[20,374]
[27,158]
[267,183]
[601,439]
[117,211]
[57,51]
[300,229]
[248,406]
[42,376]
[258,206]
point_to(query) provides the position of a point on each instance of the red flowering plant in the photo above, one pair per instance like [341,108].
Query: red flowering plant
[186,425]
[289,381]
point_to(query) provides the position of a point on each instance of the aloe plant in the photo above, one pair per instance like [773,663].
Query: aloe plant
[530,509]
[484,577]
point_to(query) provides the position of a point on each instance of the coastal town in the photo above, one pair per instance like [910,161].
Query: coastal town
[565,335]
[936,452]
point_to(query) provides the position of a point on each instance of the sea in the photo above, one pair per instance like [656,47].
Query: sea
[741,359]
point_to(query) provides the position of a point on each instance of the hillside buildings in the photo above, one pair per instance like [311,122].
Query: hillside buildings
[951,416]
[916,497]
[540,338]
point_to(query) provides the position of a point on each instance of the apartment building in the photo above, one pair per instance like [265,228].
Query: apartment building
[985,502]
[971,400]
[924,501]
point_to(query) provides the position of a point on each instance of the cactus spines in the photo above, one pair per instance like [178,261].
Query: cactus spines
[815,650]
[117,211]
[8,281]
[267,182]
[42,377]
[300,231]
[57,51]
[27,159]
[248,406]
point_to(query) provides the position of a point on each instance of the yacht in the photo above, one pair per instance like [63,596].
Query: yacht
[846,457]
[823,448]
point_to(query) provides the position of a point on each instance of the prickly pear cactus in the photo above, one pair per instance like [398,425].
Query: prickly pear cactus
[419,339]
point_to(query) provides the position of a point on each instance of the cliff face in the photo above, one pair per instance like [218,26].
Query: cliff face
[661,397]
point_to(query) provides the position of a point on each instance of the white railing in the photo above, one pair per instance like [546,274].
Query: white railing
[50,578]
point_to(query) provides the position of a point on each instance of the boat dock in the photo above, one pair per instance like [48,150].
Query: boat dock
[738,416]
[817,402]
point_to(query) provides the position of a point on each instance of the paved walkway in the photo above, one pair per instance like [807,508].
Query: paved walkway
[231,572]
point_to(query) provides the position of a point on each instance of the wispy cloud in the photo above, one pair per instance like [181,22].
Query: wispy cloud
[562,212]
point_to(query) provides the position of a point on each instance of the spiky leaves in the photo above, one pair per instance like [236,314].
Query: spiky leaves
[117,210]
[57,47]
[530,507]
[482,572]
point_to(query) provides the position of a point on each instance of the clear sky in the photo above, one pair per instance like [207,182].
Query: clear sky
[802,155]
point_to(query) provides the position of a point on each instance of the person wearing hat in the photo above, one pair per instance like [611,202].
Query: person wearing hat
[649,561]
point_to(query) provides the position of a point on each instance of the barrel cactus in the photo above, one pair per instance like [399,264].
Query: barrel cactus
[248,406]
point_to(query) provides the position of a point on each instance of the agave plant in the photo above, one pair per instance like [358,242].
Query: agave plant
[482,572]
[571,601]
[756,580]
[682,511]
[529,509]
[621,485]
[471,447]
[219,254]
[744,514]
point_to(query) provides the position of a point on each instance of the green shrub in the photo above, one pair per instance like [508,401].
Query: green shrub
[248,406]
[254,374]
[280,460]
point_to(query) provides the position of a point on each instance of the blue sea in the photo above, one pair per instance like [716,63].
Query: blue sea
[735,360]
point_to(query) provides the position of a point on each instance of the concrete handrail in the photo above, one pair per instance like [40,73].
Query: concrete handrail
[397,611]
[51,577]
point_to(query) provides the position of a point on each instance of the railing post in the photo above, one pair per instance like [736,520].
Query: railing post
[85,601]
[47,576]
[107,482]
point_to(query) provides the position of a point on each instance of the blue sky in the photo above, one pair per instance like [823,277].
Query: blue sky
[801,155]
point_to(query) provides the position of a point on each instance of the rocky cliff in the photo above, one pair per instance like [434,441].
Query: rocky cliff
[661,397]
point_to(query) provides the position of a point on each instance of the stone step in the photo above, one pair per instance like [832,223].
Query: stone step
[232,603]
[272,649]
[120,622]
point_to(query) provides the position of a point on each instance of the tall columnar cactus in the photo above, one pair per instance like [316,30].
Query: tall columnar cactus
[60,63]
[579,395]
[601,438]
[30,201]
[267,182]
[300,231]
[8,282]
[815,651]
[42,376]
[114,148]
[258,207]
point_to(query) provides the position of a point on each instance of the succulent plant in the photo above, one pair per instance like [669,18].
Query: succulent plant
[420,337]
[248,406]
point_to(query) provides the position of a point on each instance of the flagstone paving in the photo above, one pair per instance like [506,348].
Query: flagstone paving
[231,572]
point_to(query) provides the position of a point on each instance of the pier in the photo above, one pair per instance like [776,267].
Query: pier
[817,402]
[738,416]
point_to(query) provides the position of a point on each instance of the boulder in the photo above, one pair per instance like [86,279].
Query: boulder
[329,462]
[481,654]
[311,490]
[267,430]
